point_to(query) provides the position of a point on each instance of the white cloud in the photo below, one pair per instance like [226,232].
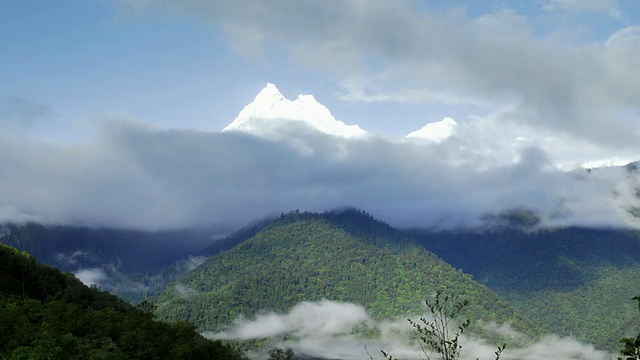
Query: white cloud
[93,276]
[11,214]
[610,7]
[627,36]
[556,348]
[108,277]
[306,319]
[193,262]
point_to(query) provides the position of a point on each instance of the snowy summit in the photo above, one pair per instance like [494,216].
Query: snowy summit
[436,131]
[270,110]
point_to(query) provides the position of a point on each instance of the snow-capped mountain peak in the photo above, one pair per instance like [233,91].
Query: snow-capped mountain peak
[270,94]
[271,110]
[436,131]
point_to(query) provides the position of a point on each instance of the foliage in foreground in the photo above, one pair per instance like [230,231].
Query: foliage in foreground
[439,336]
[281,354]
[631,349]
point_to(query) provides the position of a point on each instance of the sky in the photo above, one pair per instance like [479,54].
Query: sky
[111,110]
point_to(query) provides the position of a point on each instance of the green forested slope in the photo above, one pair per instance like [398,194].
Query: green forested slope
[45,314]
[629,329]
[306,257]
[569,281]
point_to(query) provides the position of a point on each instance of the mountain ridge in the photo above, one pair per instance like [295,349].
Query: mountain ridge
[311,258]
[270,111]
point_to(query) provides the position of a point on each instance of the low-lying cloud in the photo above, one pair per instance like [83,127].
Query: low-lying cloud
[108,277]
[330,330]
[92,276]
[318,319]
[134,176]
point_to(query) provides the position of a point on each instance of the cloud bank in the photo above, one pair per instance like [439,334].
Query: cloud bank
[549,103]
[141,177]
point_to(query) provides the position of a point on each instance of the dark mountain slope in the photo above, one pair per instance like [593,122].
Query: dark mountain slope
[238,236]
[45,314]
[131,264]
[72,247]
[307,257]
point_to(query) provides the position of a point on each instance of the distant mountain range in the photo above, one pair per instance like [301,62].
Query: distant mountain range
[71,248]
[131,264]
[568,281]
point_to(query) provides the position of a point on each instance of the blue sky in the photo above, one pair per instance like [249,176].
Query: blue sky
[85,59]
[186,63]
[121,102]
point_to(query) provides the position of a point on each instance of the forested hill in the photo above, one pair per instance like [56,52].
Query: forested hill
[45,314]
[307,257]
